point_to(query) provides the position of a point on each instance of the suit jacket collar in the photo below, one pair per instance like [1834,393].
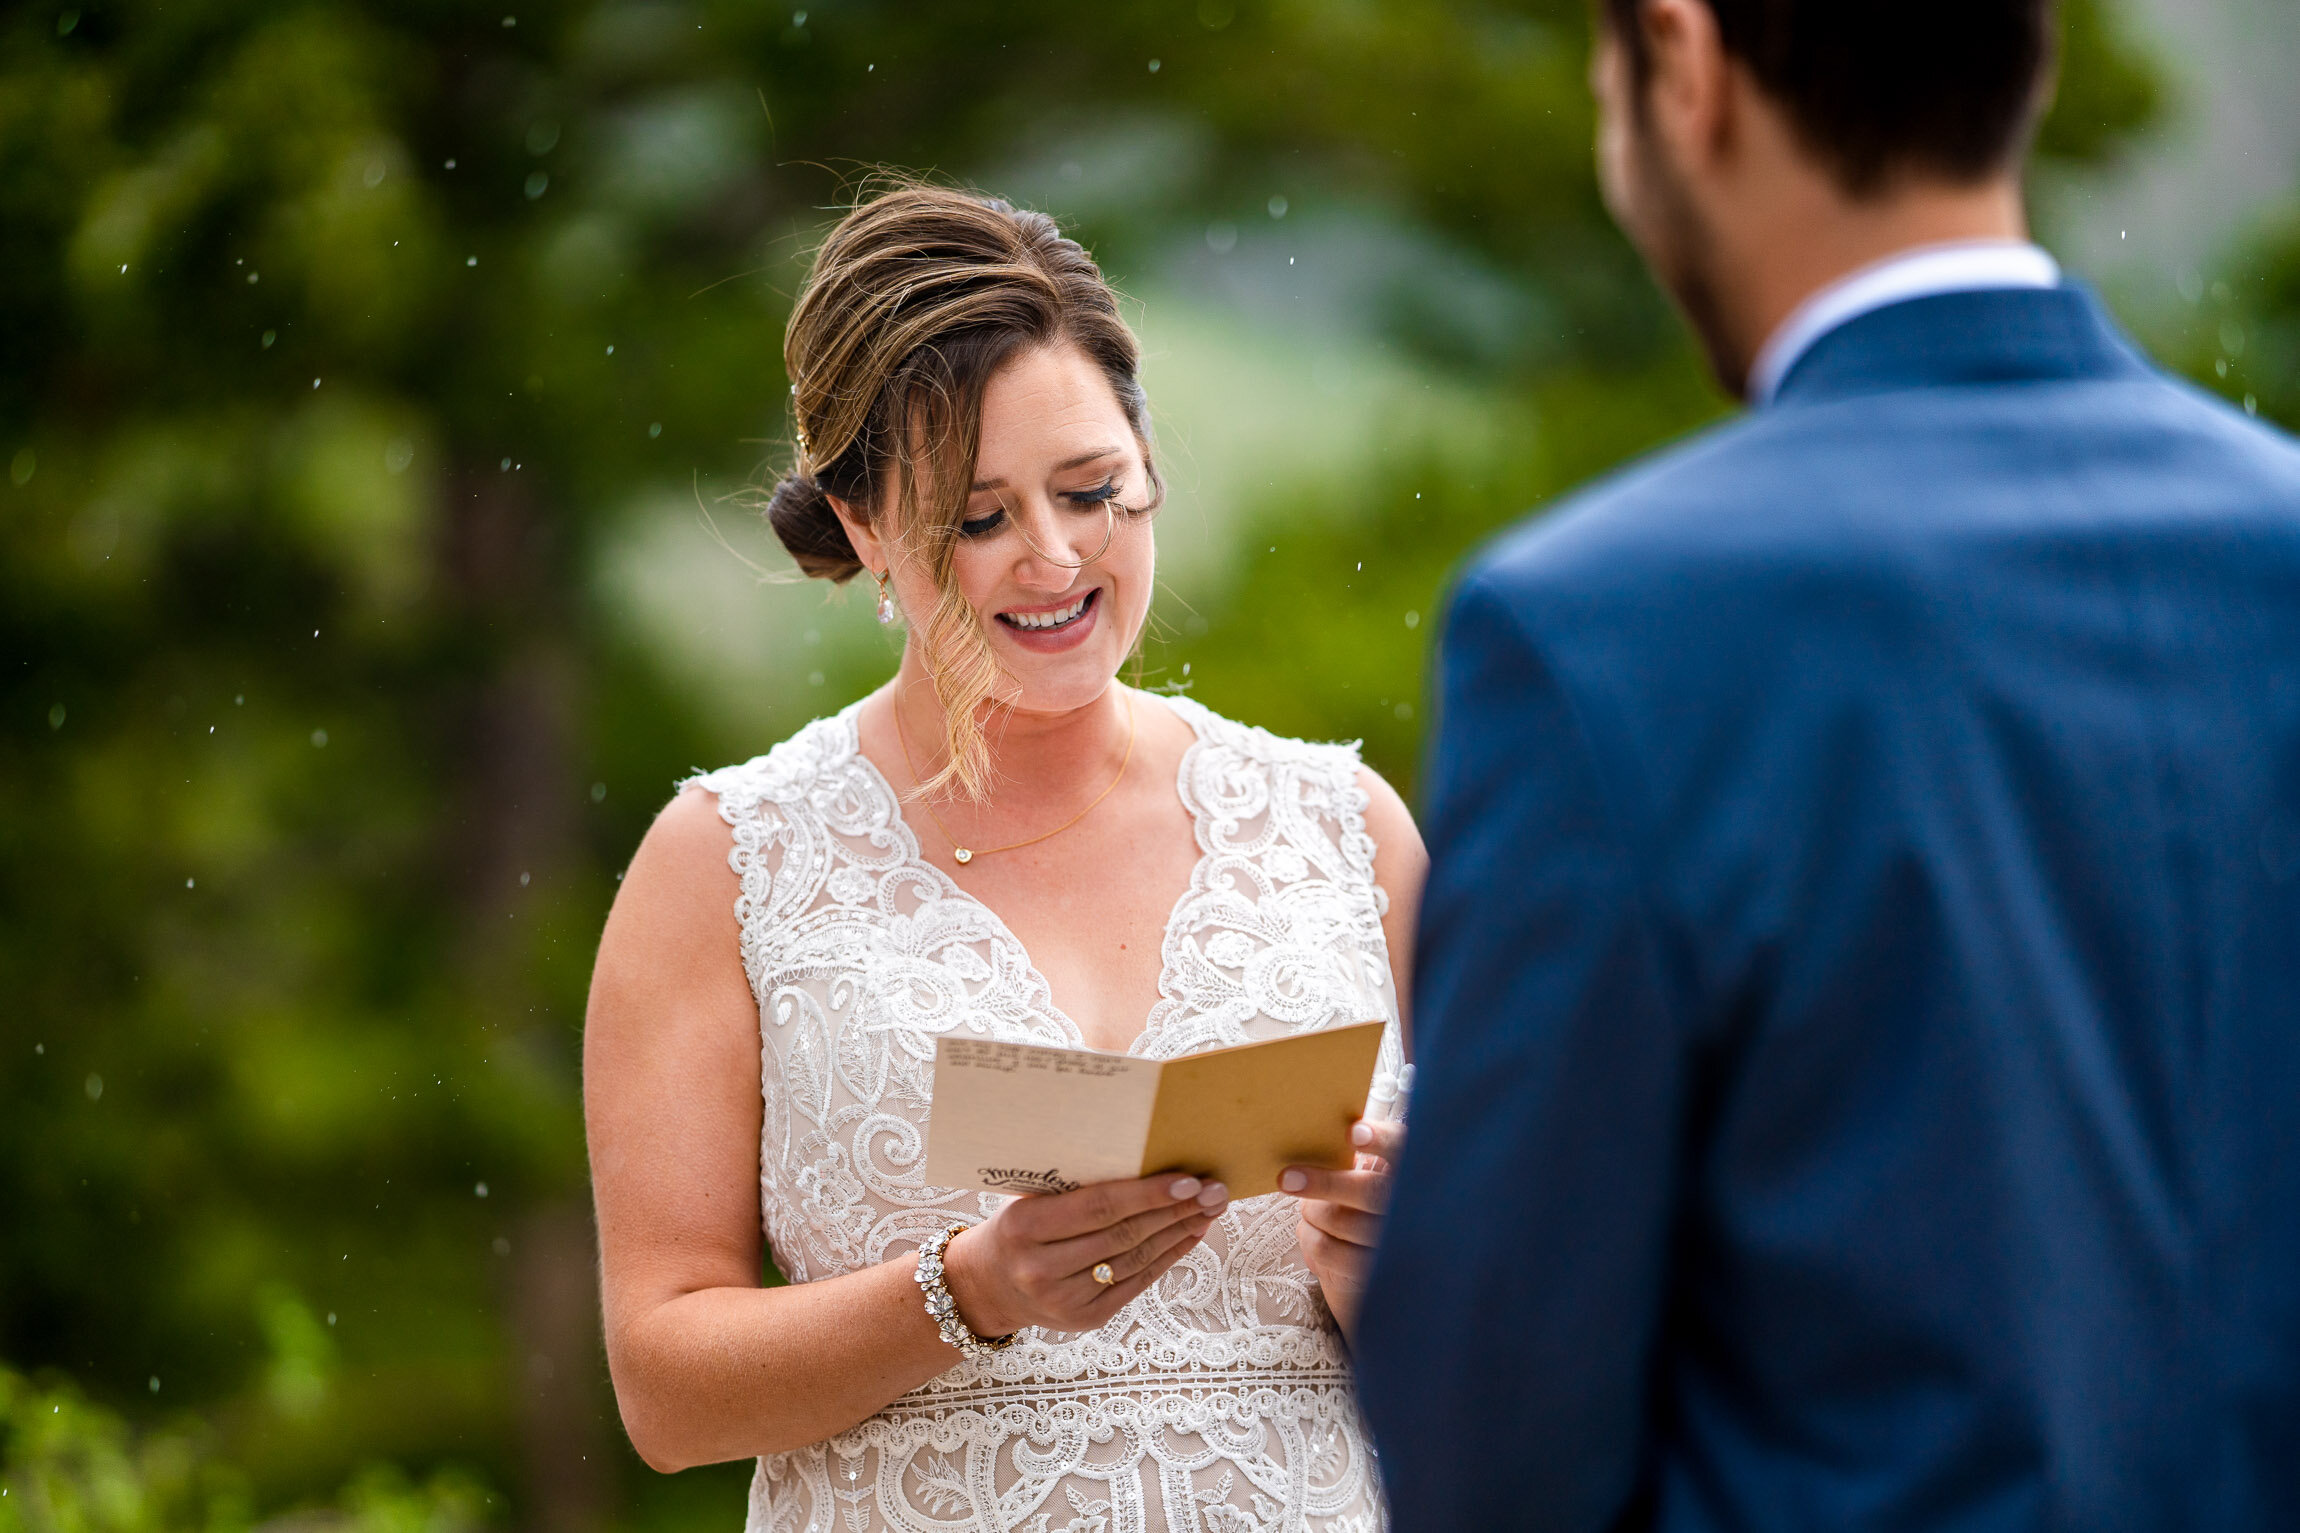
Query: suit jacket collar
[1999,336]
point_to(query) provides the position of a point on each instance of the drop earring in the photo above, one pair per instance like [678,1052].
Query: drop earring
[885,601]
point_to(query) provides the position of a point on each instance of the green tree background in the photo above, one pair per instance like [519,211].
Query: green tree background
[377,381]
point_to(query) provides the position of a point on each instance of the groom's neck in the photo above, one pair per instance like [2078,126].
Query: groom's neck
[1807,235]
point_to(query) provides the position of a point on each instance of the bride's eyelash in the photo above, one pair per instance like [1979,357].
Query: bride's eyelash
[990,521]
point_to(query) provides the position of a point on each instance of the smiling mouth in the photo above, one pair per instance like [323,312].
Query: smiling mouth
[1054,621]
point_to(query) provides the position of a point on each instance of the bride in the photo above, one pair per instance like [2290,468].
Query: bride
[1005,841]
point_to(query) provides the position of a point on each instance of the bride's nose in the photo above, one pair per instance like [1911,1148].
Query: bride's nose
[1052,547]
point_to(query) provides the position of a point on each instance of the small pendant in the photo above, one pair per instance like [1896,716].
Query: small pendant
[962,854]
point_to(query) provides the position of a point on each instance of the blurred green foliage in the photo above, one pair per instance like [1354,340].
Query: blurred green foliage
[341,340]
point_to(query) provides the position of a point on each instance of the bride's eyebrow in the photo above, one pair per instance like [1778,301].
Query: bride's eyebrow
[1064,467]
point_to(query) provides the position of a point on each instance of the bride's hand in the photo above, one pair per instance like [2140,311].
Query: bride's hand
[1032,1262]
[1342,1215]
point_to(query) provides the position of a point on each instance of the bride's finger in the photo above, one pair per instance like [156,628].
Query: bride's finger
[1080,1253]
[1127,1263]
[1066,1215]
[1353,1225]
[1369,1190]
[1379,1136]
[1119,1294]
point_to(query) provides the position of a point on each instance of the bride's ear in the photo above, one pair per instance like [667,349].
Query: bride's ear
[862,536]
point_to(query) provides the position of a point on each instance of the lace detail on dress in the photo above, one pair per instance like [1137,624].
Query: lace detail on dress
[1218,1401]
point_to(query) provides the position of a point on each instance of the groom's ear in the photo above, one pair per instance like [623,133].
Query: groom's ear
[1681,77]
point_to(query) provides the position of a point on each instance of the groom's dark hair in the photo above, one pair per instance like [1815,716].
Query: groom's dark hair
[1880,89]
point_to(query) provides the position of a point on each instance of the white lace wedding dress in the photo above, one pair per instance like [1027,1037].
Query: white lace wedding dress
[1217,1402]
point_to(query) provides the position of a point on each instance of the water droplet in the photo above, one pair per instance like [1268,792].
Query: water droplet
[187,883]
[814,678]
[269,337]
[374,173]
[2251,404]
[598,793]
[56,717]
[1221,238]
[65,22]
[471,260]
[21,466]
[655,429]
[1278,206]
[315,383]
[319,739]
[1404,711]
[1413,620]
[510,21]
[798,18]
[479,1189]
[331,1317]
[1185,667]
[1214,15]
[507,465]
[502,1247]
[155,1383]
[1153,70]
[451,164]
[536,184]
[94,1086]
[542,137]
[398,455]
[610,351]
[252,276]
[523,878]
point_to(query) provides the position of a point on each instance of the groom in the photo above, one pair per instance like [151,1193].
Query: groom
[1859,1003]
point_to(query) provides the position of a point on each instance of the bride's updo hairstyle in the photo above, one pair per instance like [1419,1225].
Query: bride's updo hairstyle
[915,301]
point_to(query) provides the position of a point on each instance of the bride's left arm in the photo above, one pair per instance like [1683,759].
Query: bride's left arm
[1341,1211]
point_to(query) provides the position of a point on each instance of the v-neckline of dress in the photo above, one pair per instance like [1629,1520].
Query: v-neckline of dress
[950,888]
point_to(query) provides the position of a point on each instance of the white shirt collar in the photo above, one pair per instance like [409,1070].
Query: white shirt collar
[1963,266]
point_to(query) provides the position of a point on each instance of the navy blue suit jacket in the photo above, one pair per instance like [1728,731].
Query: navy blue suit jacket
[1858,1010]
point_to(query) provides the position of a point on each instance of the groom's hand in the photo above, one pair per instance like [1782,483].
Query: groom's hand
[1342,1215]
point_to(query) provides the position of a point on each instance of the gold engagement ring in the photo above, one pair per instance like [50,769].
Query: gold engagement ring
[1103,1274]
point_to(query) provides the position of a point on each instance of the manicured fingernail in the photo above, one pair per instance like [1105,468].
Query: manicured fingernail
[1293,1181]
[1362,1135]
[1183,1187]
[1214,1195]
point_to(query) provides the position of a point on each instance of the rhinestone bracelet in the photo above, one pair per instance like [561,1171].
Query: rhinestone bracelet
[942,1309]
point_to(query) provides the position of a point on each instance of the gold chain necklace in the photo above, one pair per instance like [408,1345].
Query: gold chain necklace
[966,855]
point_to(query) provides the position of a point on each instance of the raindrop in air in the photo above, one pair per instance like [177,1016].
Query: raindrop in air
[94,1086]
[598,793]
[373,175]
[655,429]
[1221,238]
[471,260]
[155,1383]
[319,739]
[56,717]
[20,467]
[542,137]
[1153,66]
[1278,206]
[536,184]
[479,1189]
[269,337]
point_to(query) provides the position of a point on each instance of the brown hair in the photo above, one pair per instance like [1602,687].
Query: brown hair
[917,298]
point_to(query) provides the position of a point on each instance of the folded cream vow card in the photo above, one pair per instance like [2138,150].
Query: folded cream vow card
[1021,1117]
